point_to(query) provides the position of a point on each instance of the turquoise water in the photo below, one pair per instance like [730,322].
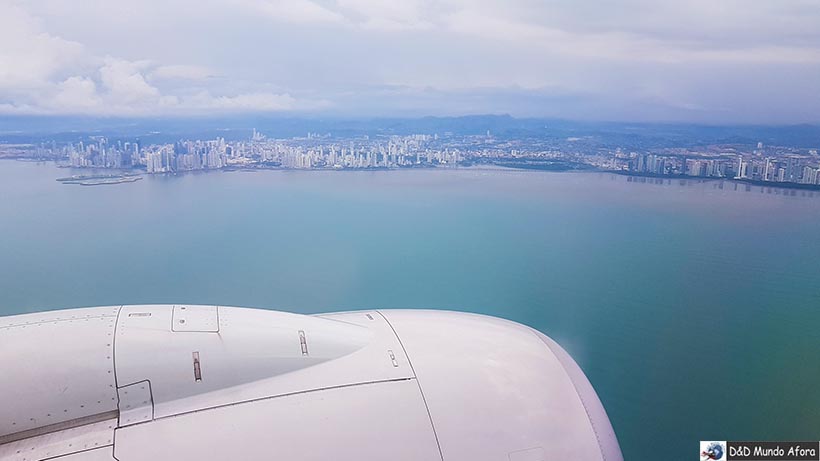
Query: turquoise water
[693,309]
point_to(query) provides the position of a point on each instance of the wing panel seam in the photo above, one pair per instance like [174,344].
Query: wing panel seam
[270,397]
[418,382]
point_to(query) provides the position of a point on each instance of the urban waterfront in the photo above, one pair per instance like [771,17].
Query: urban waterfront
[769,165]
[692,305]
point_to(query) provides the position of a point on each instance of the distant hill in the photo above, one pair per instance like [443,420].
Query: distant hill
[25,129]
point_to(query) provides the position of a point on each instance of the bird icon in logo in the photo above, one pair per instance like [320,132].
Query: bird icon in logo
[714,451]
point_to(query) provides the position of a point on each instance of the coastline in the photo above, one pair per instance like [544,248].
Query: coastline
[130,176]
[751,182]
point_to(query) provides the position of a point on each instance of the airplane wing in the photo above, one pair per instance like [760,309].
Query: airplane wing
[182,382]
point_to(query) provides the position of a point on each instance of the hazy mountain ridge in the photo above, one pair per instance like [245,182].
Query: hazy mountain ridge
[32,129]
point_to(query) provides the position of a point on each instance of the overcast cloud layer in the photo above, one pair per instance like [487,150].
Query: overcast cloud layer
[725,61]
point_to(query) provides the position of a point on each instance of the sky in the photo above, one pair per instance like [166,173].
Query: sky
[705,61]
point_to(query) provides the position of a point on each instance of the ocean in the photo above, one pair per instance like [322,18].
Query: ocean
[692,306]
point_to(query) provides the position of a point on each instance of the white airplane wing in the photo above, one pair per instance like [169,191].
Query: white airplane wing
[154,382]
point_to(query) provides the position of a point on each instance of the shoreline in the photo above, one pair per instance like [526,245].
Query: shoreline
[129,176]
[751,182]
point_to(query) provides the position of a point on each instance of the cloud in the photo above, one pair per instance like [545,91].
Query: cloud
[252,102]
[44,74]
[125,84]
[74,93]
[294,11]
[699,60]
[180,72]
[407,15]
[621,45]
[28,56]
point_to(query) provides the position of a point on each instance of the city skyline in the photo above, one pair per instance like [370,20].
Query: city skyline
[760,163]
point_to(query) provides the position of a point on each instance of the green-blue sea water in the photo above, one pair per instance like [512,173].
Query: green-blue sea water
[693,307]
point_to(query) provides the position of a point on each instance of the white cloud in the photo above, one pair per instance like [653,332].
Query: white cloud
[28,56]
[44,74]
[638,58]
[618,45]
[125,84]
[295,11]
[381,15]
[180,72]
[245,102]
[74,93]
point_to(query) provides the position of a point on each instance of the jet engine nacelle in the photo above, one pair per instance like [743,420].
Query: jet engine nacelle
[186,382]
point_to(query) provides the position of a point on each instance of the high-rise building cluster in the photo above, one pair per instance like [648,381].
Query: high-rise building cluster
[301,153]
[794,169]
[800,169]
[100,154]
[322,151]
